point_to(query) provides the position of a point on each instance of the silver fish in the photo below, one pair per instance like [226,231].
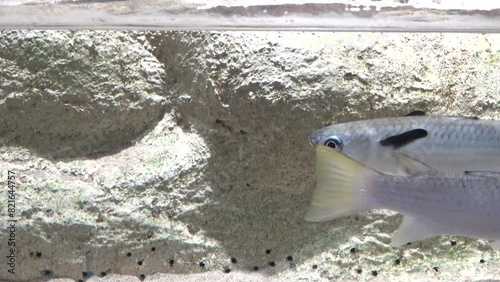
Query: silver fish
[448,144]
[432,202]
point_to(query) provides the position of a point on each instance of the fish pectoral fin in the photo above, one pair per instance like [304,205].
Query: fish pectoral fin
[411,166]
[483,173]
[495,245]
[413,229]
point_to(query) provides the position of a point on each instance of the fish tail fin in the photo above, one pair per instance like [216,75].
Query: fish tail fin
[342,186]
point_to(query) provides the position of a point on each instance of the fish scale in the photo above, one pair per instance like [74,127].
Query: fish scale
[439,192]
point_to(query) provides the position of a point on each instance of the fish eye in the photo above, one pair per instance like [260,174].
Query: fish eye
[334,142]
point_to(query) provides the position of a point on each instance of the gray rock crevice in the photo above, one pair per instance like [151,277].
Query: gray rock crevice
[71,94]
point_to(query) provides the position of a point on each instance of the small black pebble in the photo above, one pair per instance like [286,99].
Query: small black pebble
[142,277]
[140,262]
[408,244]
[315,266]
[374,273]
[453,242]
[248,184]
[234,260]
[436,268]
[202,264]
[103,274]
[38,254]
[481,261]
[80,280]
[289,258]
[353,250]
[129,254]
[397,261]
[218,120]
[255,268]
[227,270]
[272,264]
[47,272]
[268,251]
[153,249]
[171,262]
[87,274]
[359,270]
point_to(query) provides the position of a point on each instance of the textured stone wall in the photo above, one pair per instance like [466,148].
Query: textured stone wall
[150,153]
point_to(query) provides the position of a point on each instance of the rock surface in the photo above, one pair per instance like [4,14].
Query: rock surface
[150,152]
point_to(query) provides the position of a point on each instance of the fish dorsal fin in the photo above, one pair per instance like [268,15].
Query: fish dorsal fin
[483,173]
[415,113]
[463,117]
[411,166]
[398,141]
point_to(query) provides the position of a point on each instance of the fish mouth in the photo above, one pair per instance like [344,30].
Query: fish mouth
[311,140]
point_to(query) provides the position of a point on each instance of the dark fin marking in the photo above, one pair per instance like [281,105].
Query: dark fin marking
[483,173]
[398,141]
[415,113]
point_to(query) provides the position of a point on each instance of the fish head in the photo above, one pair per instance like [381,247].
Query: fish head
[348,138]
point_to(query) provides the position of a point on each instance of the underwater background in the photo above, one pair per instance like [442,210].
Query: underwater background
[184,155]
